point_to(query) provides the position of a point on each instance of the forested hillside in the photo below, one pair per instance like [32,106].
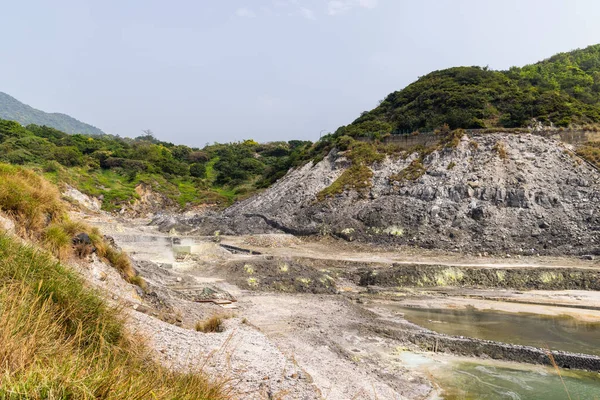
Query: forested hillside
[13,109]
[111,167]
[562,90]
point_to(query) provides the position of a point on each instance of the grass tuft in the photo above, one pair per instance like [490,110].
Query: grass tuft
[57,240]
[210,325]
[30,200]
[500,148]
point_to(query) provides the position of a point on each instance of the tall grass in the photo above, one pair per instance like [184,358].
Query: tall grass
[60,340]
[29,199]
[41,215]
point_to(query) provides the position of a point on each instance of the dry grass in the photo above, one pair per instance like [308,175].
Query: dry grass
[500,148]
[590,152]
[212,324]
[60,340]
[29,199]
[41,215]
[555,366]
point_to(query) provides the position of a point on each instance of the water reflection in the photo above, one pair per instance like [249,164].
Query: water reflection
[554,332]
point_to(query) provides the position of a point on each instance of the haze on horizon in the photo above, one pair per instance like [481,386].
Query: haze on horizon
[197,72]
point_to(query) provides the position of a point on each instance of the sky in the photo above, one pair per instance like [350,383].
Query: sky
[204,71]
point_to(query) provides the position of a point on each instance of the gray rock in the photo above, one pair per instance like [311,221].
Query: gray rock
[509,197]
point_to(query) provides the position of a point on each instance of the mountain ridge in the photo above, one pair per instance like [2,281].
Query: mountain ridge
[15,110]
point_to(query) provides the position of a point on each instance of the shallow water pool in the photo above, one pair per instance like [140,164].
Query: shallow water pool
[554,332]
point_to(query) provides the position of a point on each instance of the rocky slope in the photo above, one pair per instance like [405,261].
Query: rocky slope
[503,193]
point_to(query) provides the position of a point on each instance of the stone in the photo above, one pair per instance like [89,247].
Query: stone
[7,224]
[82,238]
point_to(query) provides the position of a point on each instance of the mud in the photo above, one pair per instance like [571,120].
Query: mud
[301,300]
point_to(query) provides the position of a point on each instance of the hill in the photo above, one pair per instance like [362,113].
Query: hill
[13,109]
[500,189]
[561,90]
[496,192]
[144,173]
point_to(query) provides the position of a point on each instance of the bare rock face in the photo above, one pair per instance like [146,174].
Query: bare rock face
[147,203]
[86,201]
[520,194]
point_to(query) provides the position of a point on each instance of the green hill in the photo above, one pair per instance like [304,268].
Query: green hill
[112,167]
[13,109]
[562,90]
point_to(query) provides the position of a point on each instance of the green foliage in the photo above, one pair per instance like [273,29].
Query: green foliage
[57,240]
[357,177]
[563,89]
[414,171]
[111,167]
[198,170]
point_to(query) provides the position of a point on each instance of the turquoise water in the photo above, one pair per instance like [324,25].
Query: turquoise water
[466,381]
[497,380]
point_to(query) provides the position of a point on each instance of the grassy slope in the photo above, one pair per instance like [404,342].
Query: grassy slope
[112,167]
[58,338]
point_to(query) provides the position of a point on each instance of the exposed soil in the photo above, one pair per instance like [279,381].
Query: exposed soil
[296,322]
[536,197]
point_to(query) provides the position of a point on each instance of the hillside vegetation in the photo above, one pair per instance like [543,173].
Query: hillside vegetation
[60,340]
[562,90]
[111,167]
[13,109]
[41,216]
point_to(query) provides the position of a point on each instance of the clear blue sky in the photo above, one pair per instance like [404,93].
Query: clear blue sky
[198,71]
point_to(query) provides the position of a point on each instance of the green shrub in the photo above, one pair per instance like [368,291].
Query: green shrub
[51,166]
[198,170]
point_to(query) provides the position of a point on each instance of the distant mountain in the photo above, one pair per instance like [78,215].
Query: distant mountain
[13,109]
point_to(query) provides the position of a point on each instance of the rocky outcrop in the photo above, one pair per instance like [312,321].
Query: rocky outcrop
[515,193]
[89,202]
[148,202]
